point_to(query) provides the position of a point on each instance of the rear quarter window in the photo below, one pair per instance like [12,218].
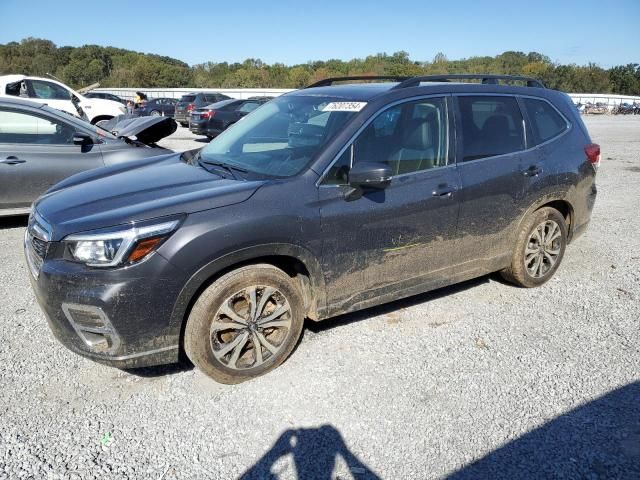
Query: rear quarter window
[544,121]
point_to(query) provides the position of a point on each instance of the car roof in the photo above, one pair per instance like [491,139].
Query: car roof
[368,91]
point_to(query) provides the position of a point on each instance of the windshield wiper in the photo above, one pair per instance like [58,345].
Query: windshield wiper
[229,168]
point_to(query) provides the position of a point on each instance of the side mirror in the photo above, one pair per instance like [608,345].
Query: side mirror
[82,139]
[370,175]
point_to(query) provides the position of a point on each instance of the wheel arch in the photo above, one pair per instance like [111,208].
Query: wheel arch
[558,202]
[296,261]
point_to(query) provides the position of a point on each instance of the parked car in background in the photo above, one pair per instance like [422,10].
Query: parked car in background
[157,107]
[39,146]
[214,119]
[192,101]
[324,201]
[60,96]
[105,96]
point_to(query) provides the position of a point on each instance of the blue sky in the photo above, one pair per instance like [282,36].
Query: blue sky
[295,31]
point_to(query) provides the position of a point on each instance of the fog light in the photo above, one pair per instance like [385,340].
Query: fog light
[93,326]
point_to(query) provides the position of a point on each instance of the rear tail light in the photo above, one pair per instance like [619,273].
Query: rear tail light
[190,107]
[593,154]
[208,114]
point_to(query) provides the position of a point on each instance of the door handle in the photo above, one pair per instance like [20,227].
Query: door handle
[443,191]
[12,160]
[532,171]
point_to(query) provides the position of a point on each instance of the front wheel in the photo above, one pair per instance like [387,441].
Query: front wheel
[540,247]
[154,113]
[245,324]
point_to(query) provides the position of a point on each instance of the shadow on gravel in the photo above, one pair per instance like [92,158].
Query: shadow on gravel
[348,318]
[599,440]
[160,370]
[314,452]
[14,222]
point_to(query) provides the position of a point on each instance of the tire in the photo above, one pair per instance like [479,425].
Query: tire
[227,302]
[531,263]
[154,113]
[185,125]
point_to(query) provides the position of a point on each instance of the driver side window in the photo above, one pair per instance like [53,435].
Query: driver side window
[49,91]
[409,137]
[22,128]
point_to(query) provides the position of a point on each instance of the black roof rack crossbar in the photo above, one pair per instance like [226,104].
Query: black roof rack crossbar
[330,81]
[485,78]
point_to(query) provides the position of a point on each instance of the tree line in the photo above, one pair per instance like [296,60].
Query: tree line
[116,67]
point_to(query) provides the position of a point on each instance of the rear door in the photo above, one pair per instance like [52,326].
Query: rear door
[169,106]
[490,144]
[399,240]
[36,152]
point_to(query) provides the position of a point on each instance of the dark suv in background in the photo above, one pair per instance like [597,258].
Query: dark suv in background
[214,119]
[323,201]
[191,101]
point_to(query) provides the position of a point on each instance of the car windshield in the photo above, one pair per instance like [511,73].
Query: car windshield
[188,98]
[279,138]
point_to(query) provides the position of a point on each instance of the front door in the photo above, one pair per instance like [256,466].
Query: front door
[399,240]
[37,152]
[52,94]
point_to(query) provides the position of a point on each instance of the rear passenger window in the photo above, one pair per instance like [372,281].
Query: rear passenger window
[490,126]
[545,121]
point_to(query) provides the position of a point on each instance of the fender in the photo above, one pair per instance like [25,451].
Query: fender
[555,196]
[214,268]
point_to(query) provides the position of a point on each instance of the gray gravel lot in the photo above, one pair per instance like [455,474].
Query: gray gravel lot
[479,380]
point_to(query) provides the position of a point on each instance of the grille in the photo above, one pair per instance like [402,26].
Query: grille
[36,243]
[39,247]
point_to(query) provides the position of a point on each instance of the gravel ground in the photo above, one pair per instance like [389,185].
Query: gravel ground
[479,380]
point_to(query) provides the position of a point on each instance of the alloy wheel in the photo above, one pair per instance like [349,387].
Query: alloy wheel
[250,327]
[543,248]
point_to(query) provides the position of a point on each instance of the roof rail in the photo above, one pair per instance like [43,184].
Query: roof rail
[330,81]
[485,78]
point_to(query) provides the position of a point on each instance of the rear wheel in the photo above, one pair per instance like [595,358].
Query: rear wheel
[539,248]
[245,324]
[185,125]
[154,113]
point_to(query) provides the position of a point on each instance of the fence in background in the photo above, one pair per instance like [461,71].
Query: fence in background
[129,93]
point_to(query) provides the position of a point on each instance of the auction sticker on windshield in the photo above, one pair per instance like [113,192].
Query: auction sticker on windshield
[344,106]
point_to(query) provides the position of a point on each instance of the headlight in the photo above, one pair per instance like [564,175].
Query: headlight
[118,246]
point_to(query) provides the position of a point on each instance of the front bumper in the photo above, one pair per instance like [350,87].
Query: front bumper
[119,317]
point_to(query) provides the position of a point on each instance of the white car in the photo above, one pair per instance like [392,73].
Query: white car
[59,96]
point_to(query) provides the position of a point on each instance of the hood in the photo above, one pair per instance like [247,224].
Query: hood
[137,191]
[147,130]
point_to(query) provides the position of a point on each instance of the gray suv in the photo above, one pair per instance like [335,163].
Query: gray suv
[326,200]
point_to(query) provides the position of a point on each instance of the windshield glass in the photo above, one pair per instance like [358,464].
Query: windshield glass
[187,98]
[279,138]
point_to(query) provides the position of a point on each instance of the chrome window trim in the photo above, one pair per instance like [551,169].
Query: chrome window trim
[371,118]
